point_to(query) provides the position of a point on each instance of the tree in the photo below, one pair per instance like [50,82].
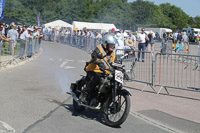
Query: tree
[124,14]
[178,18]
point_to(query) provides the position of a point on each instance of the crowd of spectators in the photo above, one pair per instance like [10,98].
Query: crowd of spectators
[139,41]
[16,33]
[127,40]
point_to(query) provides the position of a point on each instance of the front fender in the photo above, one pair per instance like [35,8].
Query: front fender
[124,91]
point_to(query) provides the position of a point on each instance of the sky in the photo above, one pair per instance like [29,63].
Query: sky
[190,7]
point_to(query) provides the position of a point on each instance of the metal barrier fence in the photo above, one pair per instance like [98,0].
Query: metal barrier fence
[85,43]
[179,71]
[20,49]
[137,70]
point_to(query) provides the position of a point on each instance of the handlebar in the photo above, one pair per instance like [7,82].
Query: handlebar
[114,66]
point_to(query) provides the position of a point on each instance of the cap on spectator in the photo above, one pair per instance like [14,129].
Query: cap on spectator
[125,34]
[30,29]
[118,36]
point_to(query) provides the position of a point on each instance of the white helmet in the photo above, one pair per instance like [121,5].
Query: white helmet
[109,39]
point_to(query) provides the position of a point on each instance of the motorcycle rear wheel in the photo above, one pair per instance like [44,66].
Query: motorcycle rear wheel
[112,110]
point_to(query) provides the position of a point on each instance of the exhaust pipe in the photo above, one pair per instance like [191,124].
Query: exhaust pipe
[81,104]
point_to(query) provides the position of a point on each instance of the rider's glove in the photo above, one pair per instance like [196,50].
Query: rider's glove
[102,67]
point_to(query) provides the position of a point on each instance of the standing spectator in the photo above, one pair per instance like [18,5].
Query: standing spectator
[157,36]
[53,35]
[141,46]
[119,46]
[175,37]
[132,37]
[2,36]
[23,37]
[92,37]
[13,35]
[179,38]
[49,33]
[46,32]
[31,45]
[165,37]
[98,36]
[130,45]
[151,37]
[40,36]
[185,39]
[4,28]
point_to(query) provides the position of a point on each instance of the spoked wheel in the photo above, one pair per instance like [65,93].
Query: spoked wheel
[116,113]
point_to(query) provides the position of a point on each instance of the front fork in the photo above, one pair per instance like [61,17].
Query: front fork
[114,94]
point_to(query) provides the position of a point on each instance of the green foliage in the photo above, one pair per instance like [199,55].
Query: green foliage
[178,18]
[123,14]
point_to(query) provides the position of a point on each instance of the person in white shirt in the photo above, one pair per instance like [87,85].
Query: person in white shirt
[119,46]
[22,40]
[98,36]
[185,39]
[13,35]
[142,37]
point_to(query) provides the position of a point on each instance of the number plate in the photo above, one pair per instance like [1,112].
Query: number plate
[119,76]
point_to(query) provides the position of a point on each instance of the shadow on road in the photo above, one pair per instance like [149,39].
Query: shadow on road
[87,114]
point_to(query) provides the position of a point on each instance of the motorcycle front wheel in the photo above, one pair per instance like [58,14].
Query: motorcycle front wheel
[116,113]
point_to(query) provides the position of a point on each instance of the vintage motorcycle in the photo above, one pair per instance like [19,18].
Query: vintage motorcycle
[108,98]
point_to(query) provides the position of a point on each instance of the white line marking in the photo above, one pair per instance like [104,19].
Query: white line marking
[60,59]
[155,123]
[69,67]
[7,127]
[63,64]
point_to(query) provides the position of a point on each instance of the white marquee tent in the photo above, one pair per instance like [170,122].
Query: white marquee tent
[103,27]
[58,23]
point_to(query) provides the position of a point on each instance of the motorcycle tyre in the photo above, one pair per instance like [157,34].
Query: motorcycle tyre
[124,116]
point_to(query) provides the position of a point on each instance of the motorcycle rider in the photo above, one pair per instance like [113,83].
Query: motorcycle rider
[101,58]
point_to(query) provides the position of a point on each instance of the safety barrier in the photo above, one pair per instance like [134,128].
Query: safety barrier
[20,49]
[137,70]
[179,71]
[85,43]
